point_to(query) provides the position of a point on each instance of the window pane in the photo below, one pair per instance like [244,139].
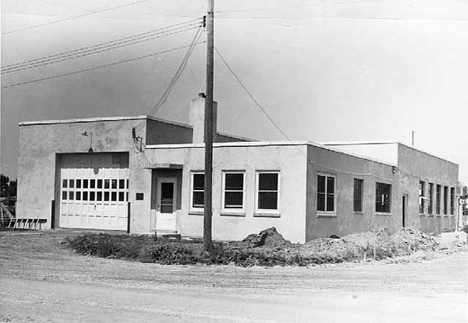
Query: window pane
[78,196]
[99,183]
[234,181]
[64,195]
[107,183]
[71,183]
[99,196]
[64,183]
[70,195]
[78,183]
[114,196]
[85,196]
[320,202]
[268,200]
[85,183]
[198,181]
[233,200]
[92,183]
[91,196]
[121,196]
[330,202]
[114,183]
[106,196]
[268,181]
[198,199]
[330,185]
[358,192]
[321,184]
[121,184]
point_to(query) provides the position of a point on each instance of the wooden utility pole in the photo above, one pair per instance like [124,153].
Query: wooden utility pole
[208,213]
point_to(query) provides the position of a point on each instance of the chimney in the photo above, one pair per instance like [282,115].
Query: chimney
[197,118]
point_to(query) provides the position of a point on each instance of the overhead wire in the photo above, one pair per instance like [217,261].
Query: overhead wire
[73,17]
[97,67]
[98,48]
[173,81]
[283,133]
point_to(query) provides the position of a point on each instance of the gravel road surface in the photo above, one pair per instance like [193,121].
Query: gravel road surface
[41,281]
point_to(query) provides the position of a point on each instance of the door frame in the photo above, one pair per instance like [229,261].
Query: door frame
[159,215]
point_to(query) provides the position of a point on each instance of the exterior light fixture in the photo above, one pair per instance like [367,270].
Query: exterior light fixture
[90,135]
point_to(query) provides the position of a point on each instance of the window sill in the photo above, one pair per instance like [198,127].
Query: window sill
[383,213]
[196,212]
[260,214]
[230,213]
[430,215]
[326,215]
[358,212]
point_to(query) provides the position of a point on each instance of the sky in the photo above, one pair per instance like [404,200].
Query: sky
[323,70]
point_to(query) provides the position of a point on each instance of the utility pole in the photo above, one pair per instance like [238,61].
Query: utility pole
[208,212]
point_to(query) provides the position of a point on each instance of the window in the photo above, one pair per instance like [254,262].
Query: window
[358,194]
[445,200]
[438,189]
[198,191]
[233,191]
[383,195]
[326,194]
[430,207]
[452,200]
[421,197]
[267,191]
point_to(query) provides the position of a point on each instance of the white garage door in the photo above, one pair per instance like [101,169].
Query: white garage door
[94,191]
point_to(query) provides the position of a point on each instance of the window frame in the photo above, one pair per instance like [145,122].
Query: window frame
[266,212]
[191,207]
[438,199]
[361,197]
[389,199]
[430,204]
[422,192]
[445,197]
[452,200]
[223,193]
[325,212]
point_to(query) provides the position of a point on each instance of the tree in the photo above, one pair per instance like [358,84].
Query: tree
[7,186]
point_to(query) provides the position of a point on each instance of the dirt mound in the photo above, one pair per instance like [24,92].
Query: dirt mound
[407,240]
[266,238]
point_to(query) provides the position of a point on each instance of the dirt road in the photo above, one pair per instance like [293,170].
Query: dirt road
[43,282]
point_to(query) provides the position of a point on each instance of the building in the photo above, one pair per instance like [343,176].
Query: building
[143,175]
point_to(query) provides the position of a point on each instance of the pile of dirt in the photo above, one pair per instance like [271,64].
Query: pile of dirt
[268,238]
[408,240]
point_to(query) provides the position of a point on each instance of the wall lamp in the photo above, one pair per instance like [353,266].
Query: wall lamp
[90,135]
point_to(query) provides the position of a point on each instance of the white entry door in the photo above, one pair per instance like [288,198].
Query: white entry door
[166,199]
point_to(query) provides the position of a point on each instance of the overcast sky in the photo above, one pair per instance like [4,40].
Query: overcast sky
[323,70]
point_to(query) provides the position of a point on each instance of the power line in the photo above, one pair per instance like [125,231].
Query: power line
[251,96]
[97,67]
[74,17]
[173,81]
[117,43]
[286,136]
[92,52]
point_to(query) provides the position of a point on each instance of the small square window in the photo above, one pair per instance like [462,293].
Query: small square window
[121,184]
[78,183]
[71,183]
[64,183]
[114,196]
[85,183]
[233,191]
[114,184]
[121,196]
[71,196]
[106,196]
[92,183]
[92,196]
[99,196]
[99,183]
[107,183]
[85,196]
[78,196]
[267,191]
[64,195]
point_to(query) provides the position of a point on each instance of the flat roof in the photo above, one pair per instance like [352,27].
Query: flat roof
[265,144]
[358,143]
